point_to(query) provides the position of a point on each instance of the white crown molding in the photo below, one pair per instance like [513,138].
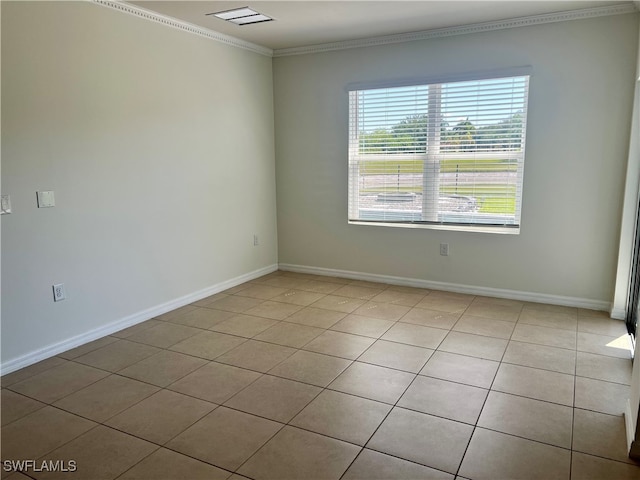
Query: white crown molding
[618,9]
[184,26]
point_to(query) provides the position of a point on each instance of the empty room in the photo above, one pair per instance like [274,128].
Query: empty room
[328,240]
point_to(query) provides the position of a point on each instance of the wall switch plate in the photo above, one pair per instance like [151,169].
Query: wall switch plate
[58,292]
[46,199]
[5,204]
[255,241]
[444,249]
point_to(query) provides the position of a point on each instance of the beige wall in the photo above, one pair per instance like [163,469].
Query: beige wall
[577,142]
[159,147]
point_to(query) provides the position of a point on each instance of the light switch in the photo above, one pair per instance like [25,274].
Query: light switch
[5,204]
[46,199]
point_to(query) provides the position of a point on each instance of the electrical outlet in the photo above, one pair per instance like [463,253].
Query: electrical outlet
[58,292]
[255,240]
[444,249]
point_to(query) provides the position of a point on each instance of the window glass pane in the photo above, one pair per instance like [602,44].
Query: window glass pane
[449,153]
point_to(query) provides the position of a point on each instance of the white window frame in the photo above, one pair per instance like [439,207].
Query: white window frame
[429,215]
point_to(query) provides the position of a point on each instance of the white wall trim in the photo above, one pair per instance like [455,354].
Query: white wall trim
[453,287]
[461,30]
[629,426]
[184,26]
[112,327]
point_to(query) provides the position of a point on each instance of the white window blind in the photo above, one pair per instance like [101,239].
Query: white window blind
[438,154]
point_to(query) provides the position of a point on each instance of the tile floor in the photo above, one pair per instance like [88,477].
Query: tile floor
[296,376]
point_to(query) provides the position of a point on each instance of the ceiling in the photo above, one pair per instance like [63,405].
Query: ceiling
[302,23]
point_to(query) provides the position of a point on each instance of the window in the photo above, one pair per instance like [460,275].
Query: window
[444,155]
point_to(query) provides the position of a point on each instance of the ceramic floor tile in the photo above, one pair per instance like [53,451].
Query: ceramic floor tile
[444,399]
[263,292]
[488,348]
[298,297]
[431,441]
[215,382]
[587,467]
[236,304]
[342,416]
[484,326]
[225,438]
[274,310]
[542,318]
[202,318]
[495,311]
[289,334]
[513,458]
[166,317]
[531,419]
[258,356]
[319,286]
[316,317]
[619,346]
[117,355]
[416,335]
[164,335]
[58,382]
[106,398]
[372,465]
[552,337]
[601,326]
[30,371]
[533,383]
[208,345]
[242,325]
[340,344]
[365,326]
[539,356]
[87,347]
[298,454]
[373,382]
[101,454]
[599,396]
[161,416]
[600,434]
[600,367]
[357,291]
[204,302]
[14,406]
[507,302]
[127,332]
[275,398]
[167,464]
[283,281]
[444,304]
[396,355]
[383,311]
[462,369]
[408,299]
[163,368]
[338,304]
[312,368]
[431,318]
[53,426]
[546,307]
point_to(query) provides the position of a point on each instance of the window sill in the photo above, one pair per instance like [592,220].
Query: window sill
[440,226]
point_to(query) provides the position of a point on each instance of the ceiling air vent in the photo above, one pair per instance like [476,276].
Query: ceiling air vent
[242,16]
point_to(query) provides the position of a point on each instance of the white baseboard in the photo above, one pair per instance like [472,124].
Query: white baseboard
[630,427]
[453,287]
[618,313]
[112,327]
